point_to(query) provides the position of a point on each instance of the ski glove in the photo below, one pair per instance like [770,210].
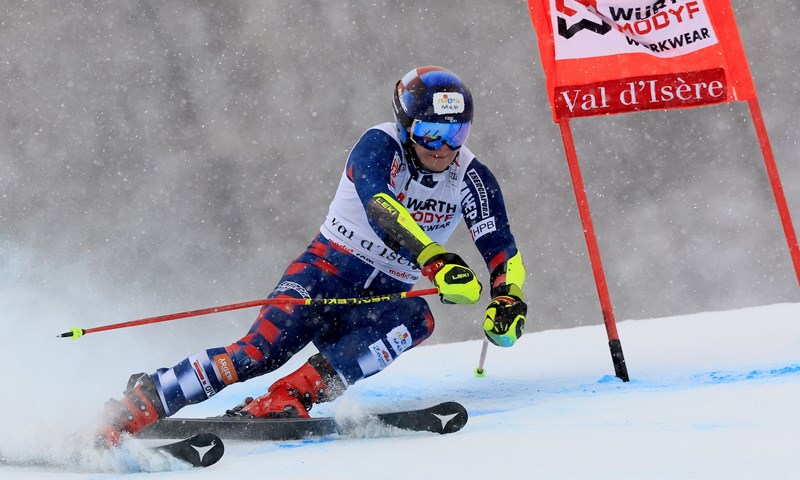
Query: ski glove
[505,318]
[456,282]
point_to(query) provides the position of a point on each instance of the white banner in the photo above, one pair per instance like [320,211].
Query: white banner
[663,28]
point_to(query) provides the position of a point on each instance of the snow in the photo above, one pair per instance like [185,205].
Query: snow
[712,395]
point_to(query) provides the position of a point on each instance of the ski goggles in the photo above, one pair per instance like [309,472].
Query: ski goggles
[432,136]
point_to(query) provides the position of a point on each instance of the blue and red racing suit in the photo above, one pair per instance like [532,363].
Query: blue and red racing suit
[355,255]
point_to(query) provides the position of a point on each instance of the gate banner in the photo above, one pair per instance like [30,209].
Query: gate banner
[604,57]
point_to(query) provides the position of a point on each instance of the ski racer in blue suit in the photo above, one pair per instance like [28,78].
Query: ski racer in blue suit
[405,187]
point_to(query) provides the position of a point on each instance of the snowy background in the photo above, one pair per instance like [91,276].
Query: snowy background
[711,396]
[155,157]
[178,153]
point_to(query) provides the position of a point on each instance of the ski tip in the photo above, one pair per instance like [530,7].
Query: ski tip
[453,416]
[201,450]
[211,442]
[447,417]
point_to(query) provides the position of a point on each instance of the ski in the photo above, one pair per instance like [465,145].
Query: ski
[200,450]
[447,417]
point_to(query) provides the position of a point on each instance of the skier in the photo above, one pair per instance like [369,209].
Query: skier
[404,189]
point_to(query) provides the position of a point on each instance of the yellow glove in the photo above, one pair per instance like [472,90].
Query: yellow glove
[505,318]
[456,282]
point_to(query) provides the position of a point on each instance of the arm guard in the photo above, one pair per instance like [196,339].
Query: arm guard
[508,278]
[393,217]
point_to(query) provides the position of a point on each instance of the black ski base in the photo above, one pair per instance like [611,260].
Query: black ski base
[200,450]
[448,417]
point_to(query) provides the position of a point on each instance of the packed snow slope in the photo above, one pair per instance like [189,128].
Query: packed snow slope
[711,396]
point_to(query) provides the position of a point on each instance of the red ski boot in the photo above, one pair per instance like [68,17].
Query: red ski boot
[293,395]
[139,407]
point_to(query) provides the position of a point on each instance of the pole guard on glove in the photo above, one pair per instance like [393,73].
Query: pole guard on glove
[457,283]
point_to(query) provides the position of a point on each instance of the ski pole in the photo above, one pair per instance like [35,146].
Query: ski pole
[76,333]
[480,372]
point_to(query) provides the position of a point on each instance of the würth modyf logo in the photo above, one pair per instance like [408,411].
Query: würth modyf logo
[627,17]
[583,24]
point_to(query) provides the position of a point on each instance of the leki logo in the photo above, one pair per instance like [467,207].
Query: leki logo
[584,24]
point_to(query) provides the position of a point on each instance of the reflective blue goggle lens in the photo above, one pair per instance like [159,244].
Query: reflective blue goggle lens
[432,135]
